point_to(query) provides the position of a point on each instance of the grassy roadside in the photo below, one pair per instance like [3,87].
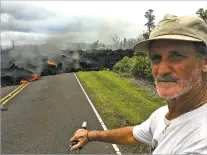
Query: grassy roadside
[118,101]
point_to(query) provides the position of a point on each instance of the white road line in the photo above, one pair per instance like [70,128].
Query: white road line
[98,116]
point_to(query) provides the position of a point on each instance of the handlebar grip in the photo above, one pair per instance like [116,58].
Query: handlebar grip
[84,126]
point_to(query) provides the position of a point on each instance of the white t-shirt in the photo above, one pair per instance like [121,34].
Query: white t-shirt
[187,134]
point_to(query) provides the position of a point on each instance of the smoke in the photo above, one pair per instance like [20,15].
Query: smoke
[34,57]
[27,57]
[41,35]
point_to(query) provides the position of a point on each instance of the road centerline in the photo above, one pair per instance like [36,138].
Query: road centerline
[13,93]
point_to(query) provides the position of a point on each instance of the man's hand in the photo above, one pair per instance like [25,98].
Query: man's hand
[116,136]
[80,136]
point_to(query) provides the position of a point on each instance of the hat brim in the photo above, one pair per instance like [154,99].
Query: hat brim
[143,46]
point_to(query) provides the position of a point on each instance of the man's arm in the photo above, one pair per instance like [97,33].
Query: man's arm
[115,136]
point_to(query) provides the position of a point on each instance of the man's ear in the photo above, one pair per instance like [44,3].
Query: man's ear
[204,67]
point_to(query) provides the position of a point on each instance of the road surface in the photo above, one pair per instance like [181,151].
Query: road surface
[42,117]
[7,90]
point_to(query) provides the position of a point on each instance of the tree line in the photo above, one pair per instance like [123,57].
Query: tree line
[139,65]
[150,25]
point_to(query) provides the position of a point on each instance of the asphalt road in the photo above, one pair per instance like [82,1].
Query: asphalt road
[6,90]
[42,117]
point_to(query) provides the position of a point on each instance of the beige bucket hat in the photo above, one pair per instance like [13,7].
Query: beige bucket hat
[171,27]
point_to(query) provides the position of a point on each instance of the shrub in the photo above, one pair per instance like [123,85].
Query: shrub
[137,66]
[122,66]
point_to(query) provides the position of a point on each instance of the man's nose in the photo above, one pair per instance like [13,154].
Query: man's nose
[164,68]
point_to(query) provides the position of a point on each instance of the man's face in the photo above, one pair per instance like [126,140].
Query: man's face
[175,67]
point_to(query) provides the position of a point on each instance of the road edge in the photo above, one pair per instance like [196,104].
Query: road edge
[97,115]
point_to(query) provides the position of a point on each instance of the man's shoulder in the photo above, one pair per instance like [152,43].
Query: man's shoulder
[161,110]
[159,114]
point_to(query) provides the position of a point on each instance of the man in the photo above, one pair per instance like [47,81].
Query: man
[177,48]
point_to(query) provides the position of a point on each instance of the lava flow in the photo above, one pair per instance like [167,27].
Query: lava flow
[51,63]
[33,78]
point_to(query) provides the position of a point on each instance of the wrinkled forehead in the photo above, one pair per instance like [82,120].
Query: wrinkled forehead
[171,45]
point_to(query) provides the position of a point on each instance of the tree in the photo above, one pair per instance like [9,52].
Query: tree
[140,38]
[200,12]
[121,45]
[145,35]
[116,41]
[95,45]
[203,14]
[124,43]
[150,23]
[130,43]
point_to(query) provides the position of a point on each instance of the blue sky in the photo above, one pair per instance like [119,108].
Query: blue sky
[83,21]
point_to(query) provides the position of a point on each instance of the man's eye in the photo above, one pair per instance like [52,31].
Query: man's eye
[177,56]
[155,58]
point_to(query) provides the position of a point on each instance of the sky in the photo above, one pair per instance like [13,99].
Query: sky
[63,22]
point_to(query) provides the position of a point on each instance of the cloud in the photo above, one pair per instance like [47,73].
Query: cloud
[59,24]
[24,11]
[21,18]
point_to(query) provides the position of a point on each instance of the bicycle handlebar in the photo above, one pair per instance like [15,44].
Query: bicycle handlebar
[84,126]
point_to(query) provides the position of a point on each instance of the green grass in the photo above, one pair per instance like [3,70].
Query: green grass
[119,103]
[117,100]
